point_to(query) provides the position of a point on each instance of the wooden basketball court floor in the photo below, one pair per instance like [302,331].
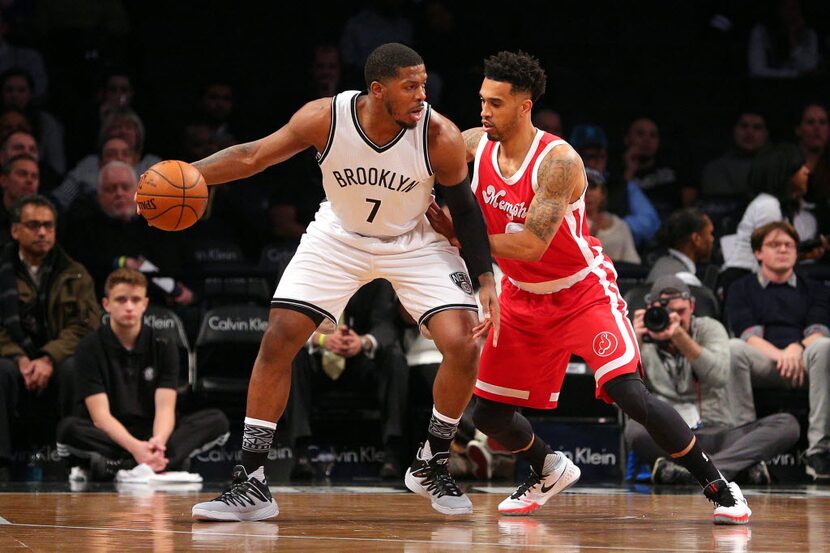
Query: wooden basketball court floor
[620,519]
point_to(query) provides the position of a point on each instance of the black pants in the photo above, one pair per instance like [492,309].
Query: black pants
[387,374]
[193,433]
[37,414]
[732,449]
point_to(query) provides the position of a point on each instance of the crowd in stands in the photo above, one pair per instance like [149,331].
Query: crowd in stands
[735,250]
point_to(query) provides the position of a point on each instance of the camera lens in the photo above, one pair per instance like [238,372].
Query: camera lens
[656,318]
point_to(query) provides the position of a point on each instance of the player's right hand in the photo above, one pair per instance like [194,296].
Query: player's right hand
[441,223]
[489,299]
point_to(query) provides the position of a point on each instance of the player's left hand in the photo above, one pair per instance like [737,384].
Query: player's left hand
[489,300]
[441,223]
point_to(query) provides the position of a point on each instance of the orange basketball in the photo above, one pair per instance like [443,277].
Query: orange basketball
[172,195]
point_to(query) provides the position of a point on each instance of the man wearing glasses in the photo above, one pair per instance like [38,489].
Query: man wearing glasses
[781,321]
[47,304]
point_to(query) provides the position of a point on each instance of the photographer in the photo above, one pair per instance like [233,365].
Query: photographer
[686,363]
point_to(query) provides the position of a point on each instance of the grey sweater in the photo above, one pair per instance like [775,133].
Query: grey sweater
[701,383]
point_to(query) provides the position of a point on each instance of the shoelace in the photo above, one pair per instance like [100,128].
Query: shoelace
[438,480]
[531,481]
[240,493]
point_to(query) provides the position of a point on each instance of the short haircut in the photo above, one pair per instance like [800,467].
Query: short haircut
[760,234]
[32,199]
[520,69]
[115,164]
[124,276]
[385,61]
[6,137]
[7,167]
[115,116]
[680,225]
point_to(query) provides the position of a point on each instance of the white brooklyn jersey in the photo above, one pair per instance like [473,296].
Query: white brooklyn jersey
[380,191]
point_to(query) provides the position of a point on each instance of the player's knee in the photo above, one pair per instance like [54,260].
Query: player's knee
[491,417]
[463,353]
[631,395]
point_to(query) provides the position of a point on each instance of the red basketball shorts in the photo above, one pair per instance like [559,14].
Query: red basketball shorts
[539,332]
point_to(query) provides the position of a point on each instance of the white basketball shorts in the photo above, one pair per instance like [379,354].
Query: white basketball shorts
[426,272]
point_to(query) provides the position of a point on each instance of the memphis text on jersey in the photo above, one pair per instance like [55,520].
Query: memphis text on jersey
[373,176]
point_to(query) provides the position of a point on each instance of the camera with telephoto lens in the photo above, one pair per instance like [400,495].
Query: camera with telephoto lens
[656,318]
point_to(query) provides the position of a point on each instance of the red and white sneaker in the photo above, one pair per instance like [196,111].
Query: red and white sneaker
[730,505]
[558,474]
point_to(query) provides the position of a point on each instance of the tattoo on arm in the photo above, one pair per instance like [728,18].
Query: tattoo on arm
[556,183]
[471,139]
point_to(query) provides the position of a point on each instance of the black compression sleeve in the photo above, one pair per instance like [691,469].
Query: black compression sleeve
[469,227]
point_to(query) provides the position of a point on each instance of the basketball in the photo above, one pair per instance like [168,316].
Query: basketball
[172,195]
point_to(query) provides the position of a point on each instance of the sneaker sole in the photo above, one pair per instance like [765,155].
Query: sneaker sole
[415,487]
[571,471]
[269,511]
[729,520]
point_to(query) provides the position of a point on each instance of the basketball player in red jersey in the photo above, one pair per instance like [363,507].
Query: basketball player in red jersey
[559,296]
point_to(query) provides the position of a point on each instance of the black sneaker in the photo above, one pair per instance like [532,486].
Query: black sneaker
[391,469]
[669,472]
[247,498]
[818,465]
[730,505]
[431,479]
[104,469]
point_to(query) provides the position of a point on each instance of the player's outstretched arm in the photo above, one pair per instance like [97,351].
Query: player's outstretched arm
[307,127]
[561,180]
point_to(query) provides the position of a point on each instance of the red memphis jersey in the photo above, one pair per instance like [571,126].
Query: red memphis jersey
[572,254]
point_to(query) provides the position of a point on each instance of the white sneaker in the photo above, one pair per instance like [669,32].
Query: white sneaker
[730,505]
[431,478]
[247,498]
[558,474]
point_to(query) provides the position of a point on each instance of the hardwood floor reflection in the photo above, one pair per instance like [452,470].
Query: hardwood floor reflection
[405,523]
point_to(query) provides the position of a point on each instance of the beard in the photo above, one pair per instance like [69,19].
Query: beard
[402,124]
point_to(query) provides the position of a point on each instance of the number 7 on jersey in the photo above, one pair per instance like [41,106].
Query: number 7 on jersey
[374,212]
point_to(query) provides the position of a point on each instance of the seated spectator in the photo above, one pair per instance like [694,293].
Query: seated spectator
[19,177]
[624,198]
[548,120]
[12,120]
[20,141]
[16,89]
[48,305]
[217,110]
[782,321]
[780,177]
[781,45]
[686,364]
[82,180]
[688,236]
[362,353]
[126,378]
[643,167]
[612,231]
[725,183]
[813,133]
[114,92]
[122,238]
[14,56]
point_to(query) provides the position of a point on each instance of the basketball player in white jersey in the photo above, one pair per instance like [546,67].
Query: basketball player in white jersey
[380,153]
